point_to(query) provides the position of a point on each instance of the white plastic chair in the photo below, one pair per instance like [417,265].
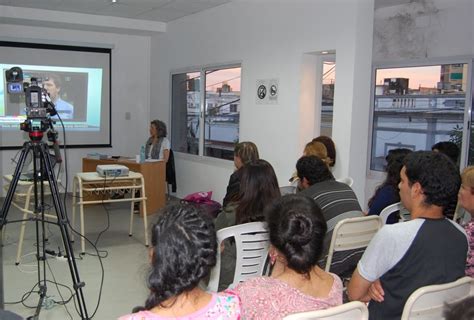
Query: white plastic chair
[251,242]
[354,310]
[347,180]
[352,233]
[287,190]
[428,302]
[387,211]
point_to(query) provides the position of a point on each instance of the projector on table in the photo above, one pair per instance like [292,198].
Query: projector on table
[112,170]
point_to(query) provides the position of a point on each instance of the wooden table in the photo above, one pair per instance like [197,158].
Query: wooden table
[153,173]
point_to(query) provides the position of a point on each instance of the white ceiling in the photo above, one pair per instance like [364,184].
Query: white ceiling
[154,10]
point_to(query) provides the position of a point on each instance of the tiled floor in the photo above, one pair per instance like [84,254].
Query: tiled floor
[125,266]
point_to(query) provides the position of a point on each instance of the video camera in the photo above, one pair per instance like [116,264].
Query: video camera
[39,107]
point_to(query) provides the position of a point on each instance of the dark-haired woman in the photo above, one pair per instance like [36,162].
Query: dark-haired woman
[157,146]
[244,152]
[183,253]
[387,193]
[297,229]
[330,147]
[258,188]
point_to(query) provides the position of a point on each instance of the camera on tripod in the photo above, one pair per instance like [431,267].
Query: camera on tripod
[38,105]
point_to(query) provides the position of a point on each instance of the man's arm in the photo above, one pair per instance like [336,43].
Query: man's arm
[358,287]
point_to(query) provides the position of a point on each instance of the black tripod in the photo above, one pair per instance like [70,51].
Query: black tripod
[41,156]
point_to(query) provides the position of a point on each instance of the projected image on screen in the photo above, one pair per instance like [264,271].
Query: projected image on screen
[77,80]
[76,96]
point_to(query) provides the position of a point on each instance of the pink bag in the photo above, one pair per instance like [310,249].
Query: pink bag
[203,201]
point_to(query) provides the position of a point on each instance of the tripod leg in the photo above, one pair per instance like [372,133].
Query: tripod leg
[13,184]
[63,227]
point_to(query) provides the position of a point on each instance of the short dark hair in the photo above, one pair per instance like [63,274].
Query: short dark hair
[160,128]
[462,310]
[313,169]
[184,251]
[448,148]
[438,176]
[330,147]
[258,188]
[297,229]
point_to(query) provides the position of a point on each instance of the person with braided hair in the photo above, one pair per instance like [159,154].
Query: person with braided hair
[297,229]
[183,252]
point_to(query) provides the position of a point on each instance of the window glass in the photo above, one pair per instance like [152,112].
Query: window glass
[186,109]
[327,99]
[416,107]
[220,114]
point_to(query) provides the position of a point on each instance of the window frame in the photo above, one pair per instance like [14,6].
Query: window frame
[202,69]
[469,103]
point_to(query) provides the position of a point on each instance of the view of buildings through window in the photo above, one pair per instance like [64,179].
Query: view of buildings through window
[220,114]
[327,99]
[415,107]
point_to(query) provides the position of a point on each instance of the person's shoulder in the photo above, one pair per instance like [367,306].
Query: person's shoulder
[227,306]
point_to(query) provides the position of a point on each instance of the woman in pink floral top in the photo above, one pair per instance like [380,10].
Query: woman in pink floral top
[297,229]
[466,200]
[183,253]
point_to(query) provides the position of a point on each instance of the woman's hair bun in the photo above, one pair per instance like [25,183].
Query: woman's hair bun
[300,229]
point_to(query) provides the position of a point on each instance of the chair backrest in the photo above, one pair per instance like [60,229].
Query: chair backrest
[287,190]
[352,233]
[387,211]
[347,180]
[428,302]
[251,242]
[354,310]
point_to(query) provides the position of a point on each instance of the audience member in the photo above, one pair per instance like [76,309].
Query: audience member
[258,188]
[337,202]
[297,229]
[244,152]
[312,148]
[387,193]
[183,252]
[330,147]
[157,146]
[462,310]
[466,200]
[448,148]
[429,249]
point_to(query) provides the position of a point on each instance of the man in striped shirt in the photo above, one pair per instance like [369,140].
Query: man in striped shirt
[337,202]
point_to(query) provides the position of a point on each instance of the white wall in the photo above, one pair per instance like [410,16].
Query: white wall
[130,87]
[271,39]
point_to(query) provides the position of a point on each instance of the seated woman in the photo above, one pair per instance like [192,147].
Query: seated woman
[297,229]
[183,253]
[387,193]
[330,147]
[258,188]
[244,152]
[157,145]
[466,200]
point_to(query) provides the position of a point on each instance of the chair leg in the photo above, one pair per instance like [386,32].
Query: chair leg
[20,241]
[132,205]
[145,222]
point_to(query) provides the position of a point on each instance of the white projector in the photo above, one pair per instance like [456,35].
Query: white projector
[112,170]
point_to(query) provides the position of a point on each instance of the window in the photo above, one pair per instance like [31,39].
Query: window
[415,107]
[219,92]
[327,94]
